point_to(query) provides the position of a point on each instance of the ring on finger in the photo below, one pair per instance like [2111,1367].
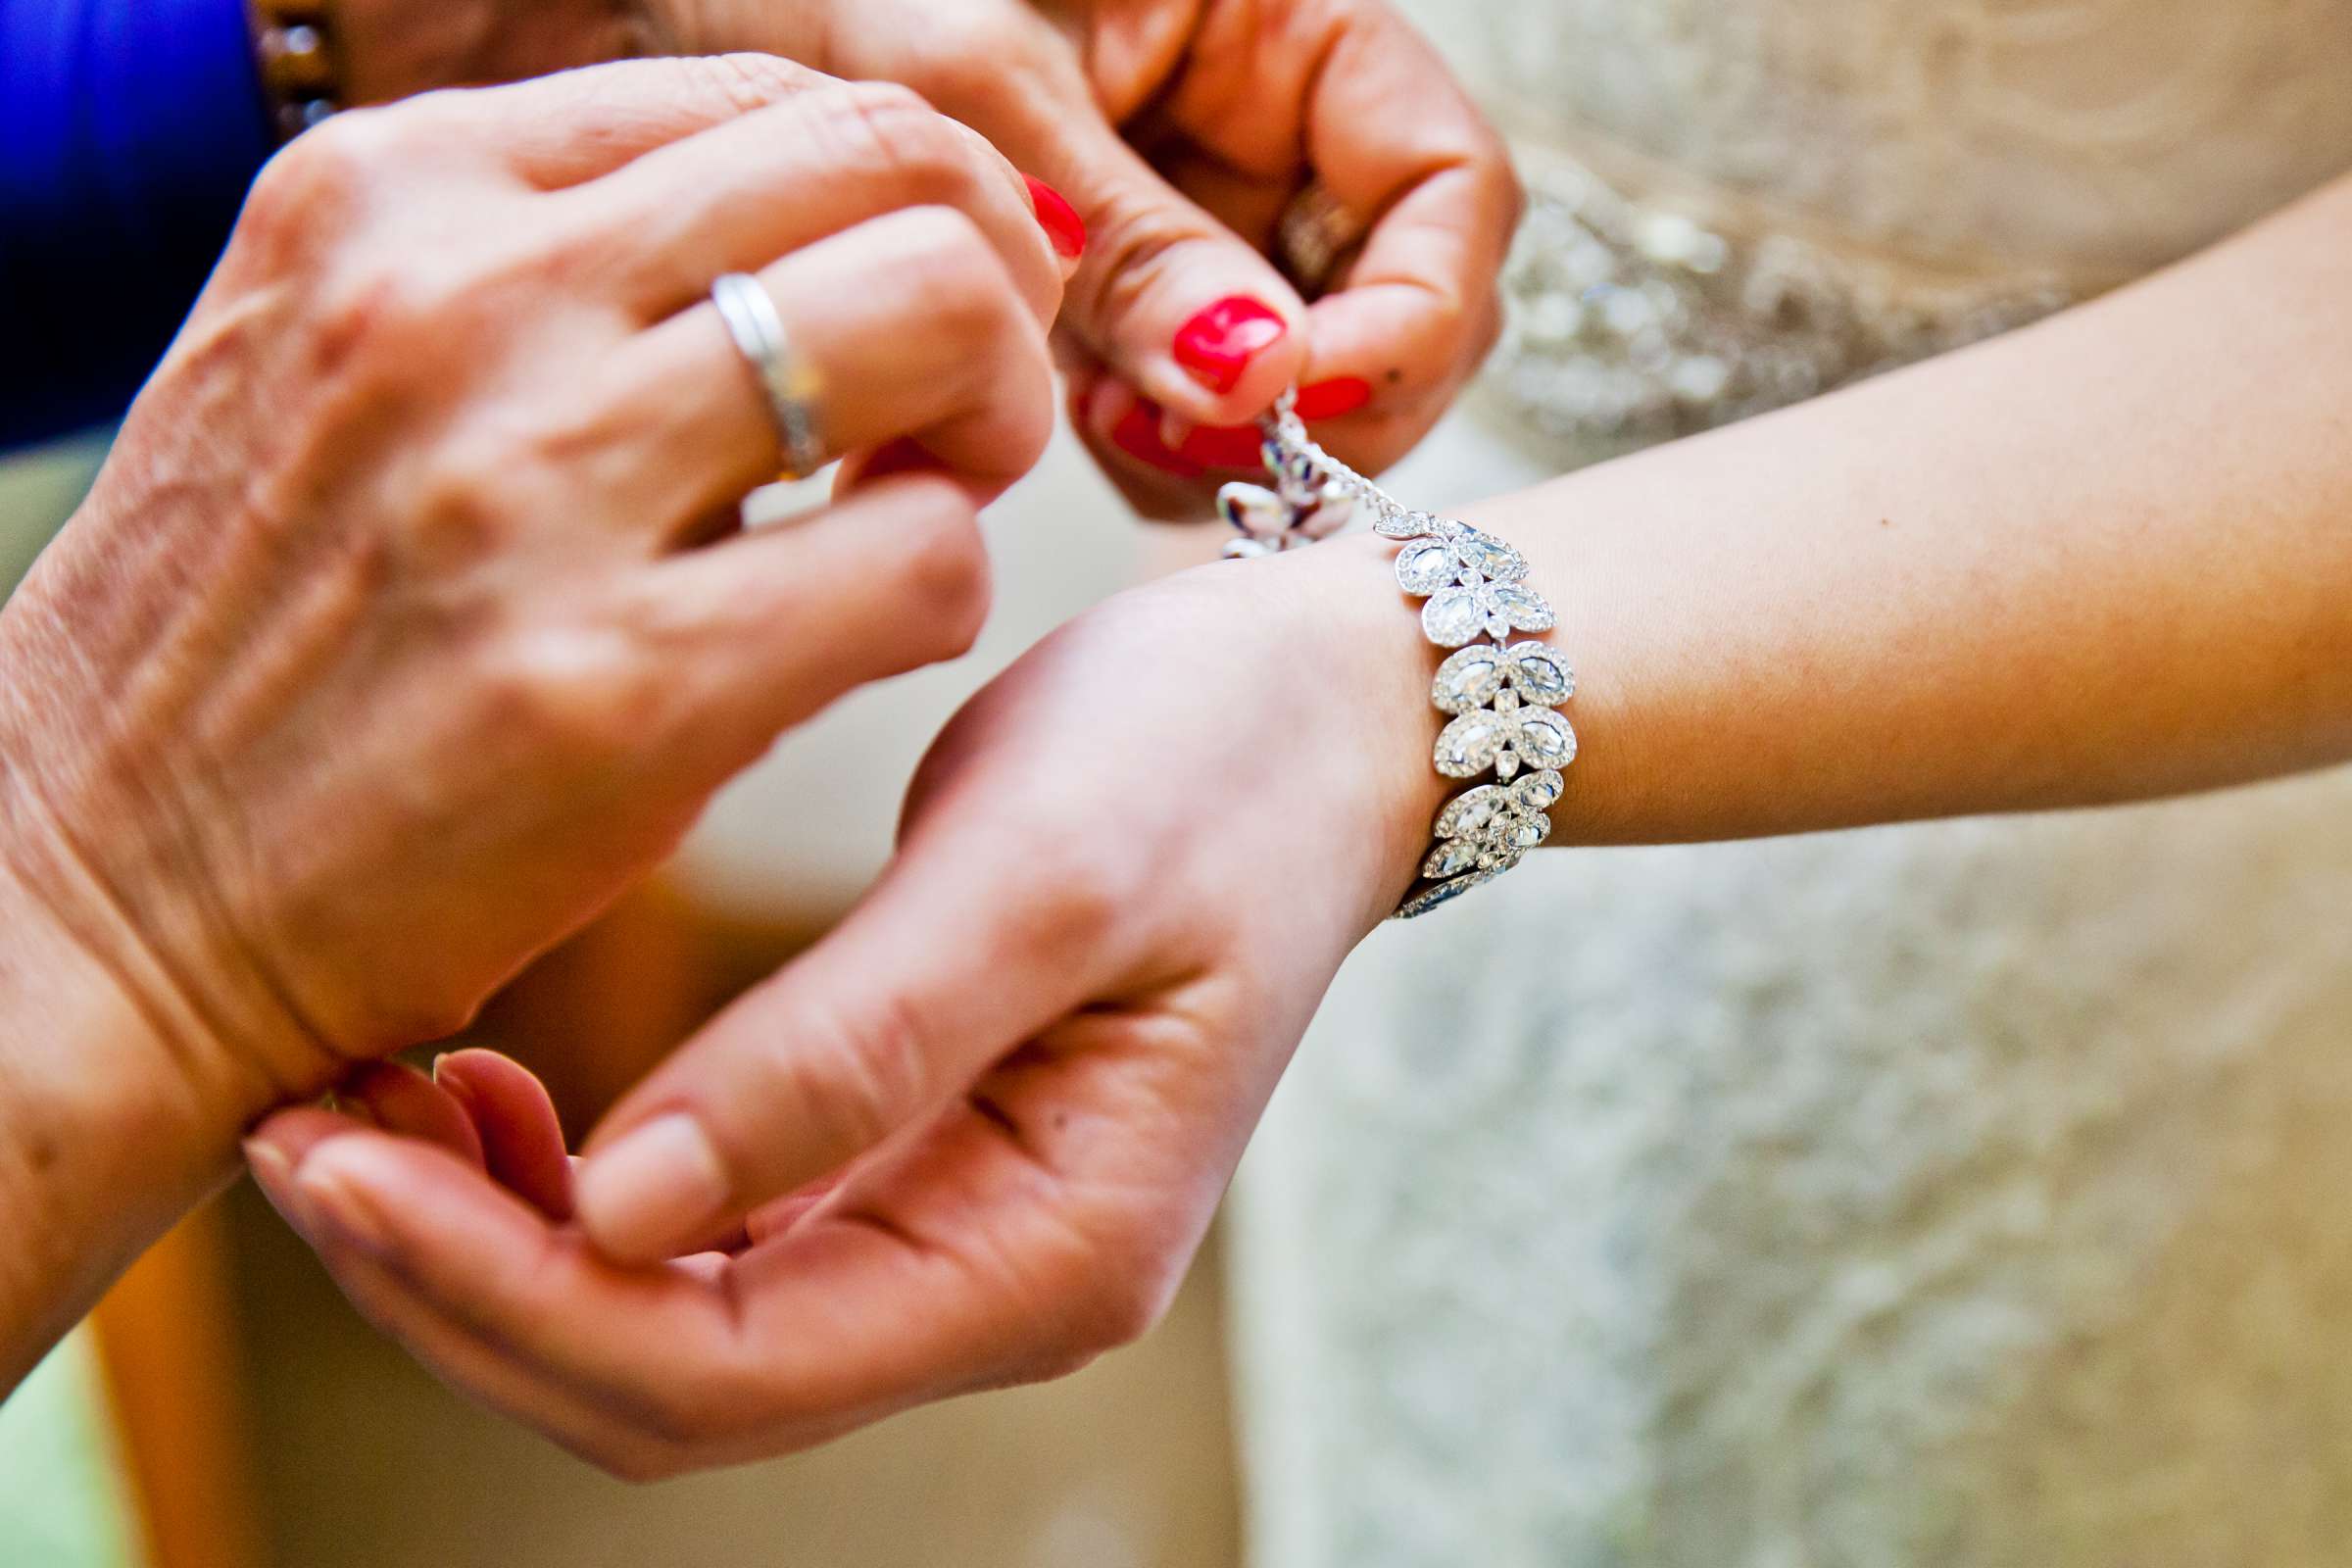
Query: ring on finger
[787,379]
[1314,237]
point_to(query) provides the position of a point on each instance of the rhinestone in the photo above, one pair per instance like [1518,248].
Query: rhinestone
[1452,617]
[1425,568]
[1490,557]
[1539,674]
[1524,606]
[1449,859]
[1469,814]
[1530,829]
[1406,524]
[1428,898]
[1538,791]
[1469,745]
[1254,509]
[1544,739]
[1467,680]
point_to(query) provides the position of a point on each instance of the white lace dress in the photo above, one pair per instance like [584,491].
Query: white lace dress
[1969,1194]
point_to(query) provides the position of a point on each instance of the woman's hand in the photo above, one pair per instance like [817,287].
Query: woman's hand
[978,1131]
[1179,130]
[409,622]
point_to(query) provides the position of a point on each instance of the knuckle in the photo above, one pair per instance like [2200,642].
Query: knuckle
[313,190]
[578,688]
[396,318]
[1137,240]
[743,81]
[895,131]
[859,1071]
[945,584]
[460,513]
[973,56]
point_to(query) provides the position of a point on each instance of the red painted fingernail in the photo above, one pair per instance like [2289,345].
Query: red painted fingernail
[1059,220]
[1217,345]
[1328,400]
[1138,435]
[1225,446]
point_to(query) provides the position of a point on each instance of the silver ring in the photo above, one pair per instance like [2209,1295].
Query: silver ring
[789,383]
[1313,236]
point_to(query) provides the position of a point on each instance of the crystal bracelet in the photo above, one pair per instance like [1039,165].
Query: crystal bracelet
[1500,695]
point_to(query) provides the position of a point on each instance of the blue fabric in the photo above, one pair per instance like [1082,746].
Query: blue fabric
[128,132]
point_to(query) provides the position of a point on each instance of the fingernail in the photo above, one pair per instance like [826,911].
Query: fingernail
[1058,218]
[1138,435]
[660,1185]
[1225,446]
[1328,400]
[332,1197]
[1216,346]
[270,1164]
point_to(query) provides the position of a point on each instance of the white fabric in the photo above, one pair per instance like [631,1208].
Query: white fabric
[1975,1195]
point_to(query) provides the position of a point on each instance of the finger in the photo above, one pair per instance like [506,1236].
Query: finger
[575,126]
[740,194]
[1167,296]
[401,1099]
[521,1136]
[1432,189]
[763,630]
[962,951]
[844,1320]
[1416,311]
[469,1359]
[909,325]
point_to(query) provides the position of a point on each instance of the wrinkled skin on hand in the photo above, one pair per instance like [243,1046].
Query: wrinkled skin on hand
[409,624]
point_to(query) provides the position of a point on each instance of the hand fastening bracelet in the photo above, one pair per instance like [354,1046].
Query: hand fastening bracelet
[1500,695]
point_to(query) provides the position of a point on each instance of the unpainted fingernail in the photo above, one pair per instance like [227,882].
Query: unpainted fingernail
[332,1198]
[1216,346]
[1329,399]
[660,1185]
[270,1163]
[1058,218]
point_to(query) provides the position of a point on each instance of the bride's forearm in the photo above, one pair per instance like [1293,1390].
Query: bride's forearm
[2106,557]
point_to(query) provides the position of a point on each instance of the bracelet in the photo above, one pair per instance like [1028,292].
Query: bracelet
[1499,695]
[294,40]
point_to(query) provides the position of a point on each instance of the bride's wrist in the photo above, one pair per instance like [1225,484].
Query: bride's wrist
[1380,671]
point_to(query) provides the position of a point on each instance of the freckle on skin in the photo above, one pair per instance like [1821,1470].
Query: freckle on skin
[43,1154]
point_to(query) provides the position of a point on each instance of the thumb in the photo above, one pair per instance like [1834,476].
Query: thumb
[1177,305]
[945,967]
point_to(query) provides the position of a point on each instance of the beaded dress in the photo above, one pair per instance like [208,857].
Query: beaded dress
[1970,1193]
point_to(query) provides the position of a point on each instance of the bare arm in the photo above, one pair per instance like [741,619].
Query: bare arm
[2106,557]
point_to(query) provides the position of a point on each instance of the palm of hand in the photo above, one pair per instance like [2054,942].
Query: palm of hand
[973,1137]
